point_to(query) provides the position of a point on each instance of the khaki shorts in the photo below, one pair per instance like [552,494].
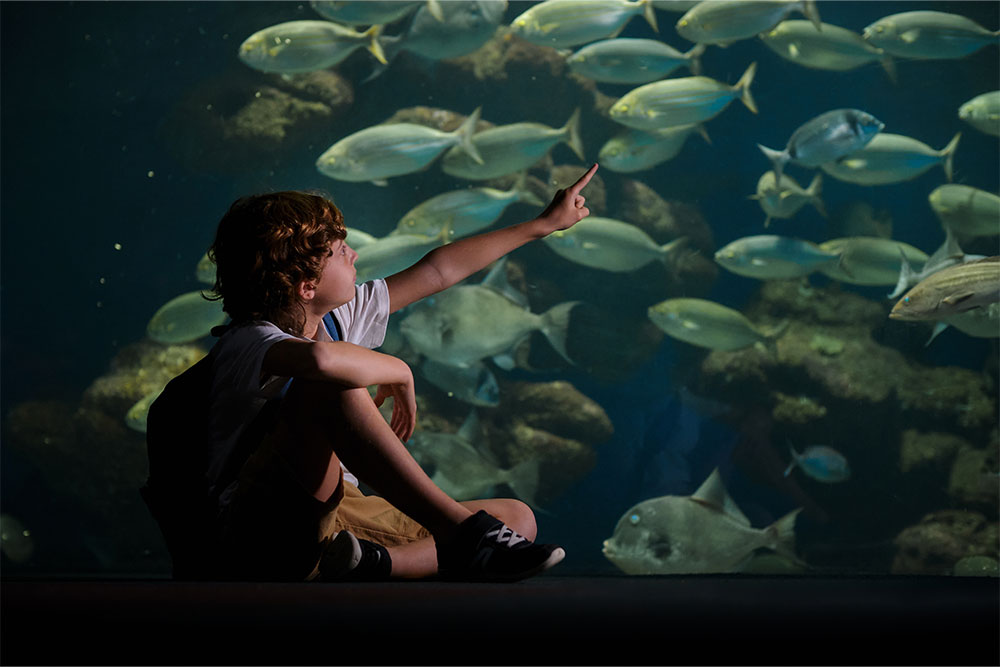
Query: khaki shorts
[276,530]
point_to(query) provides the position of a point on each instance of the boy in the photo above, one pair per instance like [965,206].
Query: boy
[291,510]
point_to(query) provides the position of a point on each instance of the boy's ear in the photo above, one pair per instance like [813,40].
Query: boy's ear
[306,290]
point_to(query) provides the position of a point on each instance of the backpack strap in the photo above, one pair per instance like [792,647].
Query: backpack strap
[332,326]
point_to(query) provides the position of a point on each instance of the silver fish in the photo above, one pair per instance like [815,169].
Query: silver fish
[507,149]
[634,150]
[610,245]
[459,29]
[726,21]
[632,60]
[784,199]
[465,211]
[370,12]
[981,322]
[891,158]
[460,464]
[824,464]
[393,149]
[830,48]
[770,257]
[951,291]
[185,318]
[705,532]
[564,23]
[948,254]
[473,384]
[357,238]
[825,138]
[709,324]
[869,260]
[685,101]
[929,35]
[391,254]
[983,112]
[306,46]
[966,210]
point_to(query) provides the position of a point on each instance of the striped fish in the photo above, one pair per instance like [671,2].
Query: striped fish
[951,291]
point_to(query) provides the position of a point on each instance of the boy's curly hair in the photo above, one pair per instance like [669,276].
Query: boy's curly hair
[264,247]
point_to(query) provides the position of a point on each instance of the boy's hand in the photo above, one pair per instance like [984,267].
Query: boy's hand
[404,407]
[568,206]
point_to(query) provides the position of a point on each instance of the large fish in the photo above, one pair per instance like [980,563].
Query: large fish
[468,323]
[698,534]
[725,21]
[869,260]
[685,101]
[891,158]
[395,252]
[634,150]
[462,466]
[507,149]
[966,210]
[951,291]
[564,23]
[306,46]
[784,199]
[185,318]
[393,149]
[610,245]
[929,35]
[825,138]
[632,60]
[709,324]
[983,112]
[830,48]
[770,257]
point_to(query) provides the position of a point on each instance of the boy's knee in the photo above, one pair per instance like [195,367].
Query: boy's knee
[516,514]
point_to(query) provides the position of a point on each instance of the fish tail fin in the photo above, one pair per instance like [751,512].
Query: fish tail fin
[523,479]
[906,275]
[434,7]
[815,190]
[465,132]
[667,250]
[572,132]
[693,58]
[555,326]
[649,13]
[777,158]
[783,533]
[743,85]
[704,134]
[767,221]
[374,45]
[774,333]
[810,11]
[794,462]
[889,65]
[948,153]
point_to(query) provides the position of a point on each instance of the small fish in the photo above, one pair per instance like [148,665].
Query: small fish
[185,318]
[565,23]
[966,210]
[465,211]
[705,532]
[395,252]
[473,384]
[135,418]
[684,101]
[891,158]
[16,542]
[204,271]
[785,199]
[951,291]
[462,467]
[632,60]
[507,149]
[983,112]
[371,12]
[306,46]
[610,245]
[709,324]
[948,254]
[825,138]
[393,149]
[830,48]
[468,323]
[769,257]
[634,150]
[929,35]
[458,29]
[726,21]
[869,260]
[823,464]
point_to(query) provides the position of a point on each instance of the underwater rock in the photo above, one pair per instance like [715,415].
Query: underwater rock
[941,540]
[936,451]
[974,480]
[950,395]
[818,305]
[977,566]
[557,407]
[564,461]
[796,409]
[445,120]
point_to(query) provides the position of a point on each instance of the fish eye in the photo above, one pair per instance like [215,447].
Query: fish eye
[906,299]
[634,519]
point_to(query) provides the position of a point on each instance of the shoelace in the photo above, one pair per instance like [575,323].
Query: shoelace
[504,535]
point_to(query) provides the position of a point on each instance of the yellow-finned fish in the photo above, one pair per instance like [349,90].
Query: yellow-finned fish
[726,21]
[185,318]
[634,150]
[771,257]
[306,46]
[708,324]
[983,112]
[830,48]
[685,101]
[610,245]
[372,12]
[564,23]
[929,35]
[891,158]
[632,60]
[784,198]
[951,291]
[966,210]
[869,260]
[395,252]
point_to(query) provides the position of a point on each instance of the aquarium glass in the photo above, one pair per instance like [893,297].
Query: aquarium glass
[847,442]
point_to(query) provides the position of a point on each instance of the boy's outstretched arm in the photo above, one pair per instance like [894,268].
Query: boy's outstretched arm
[445,266]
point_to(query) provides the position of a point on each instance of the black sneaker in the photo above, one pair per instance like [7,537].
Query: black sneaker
[348,558]
[485,549]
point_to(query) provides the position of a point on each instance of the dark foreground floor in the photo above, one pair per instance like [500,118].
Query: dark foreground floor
[547,620]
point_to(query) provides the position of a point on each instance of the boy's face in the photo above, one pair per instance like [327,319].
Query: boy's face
[336,283]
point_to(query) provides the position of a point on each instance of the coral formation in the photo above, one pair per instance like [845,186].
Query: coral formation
[941,540]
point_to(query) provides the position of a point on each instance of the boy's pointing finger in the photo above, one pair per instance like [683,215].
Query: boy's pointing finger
[580,184]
